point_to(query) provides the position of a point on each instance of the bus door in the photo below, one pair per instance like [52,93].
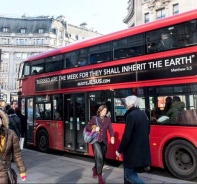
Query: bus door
[74,122]
[30,121]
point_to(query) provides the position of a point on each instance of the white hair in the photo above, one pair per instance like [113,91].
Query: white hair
[132,101]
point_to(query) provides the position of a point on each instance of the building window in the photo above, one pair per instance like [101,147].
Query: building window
[18,55]
[23,31]
[5,41]
[40,30]
[3,82]
[4,67]
[20,41]
[5,55]
[16,83]
[38,41]
[5,29]
[147,17]
[175,9]
[160,14]
[60,34]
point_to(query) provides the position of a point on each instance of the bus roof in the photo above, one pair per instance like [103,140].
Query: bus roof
[189,15]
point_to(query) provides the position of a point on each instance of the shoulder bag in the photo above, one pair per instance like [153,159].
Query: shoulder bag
[12,176]
[90,137]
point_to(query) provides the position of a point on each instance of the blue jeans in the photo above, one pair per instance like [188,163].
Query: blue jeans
[132,176]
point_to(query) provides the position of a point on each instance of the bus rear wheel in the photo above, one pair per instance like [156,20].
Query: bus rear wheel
[42,141]
[181,159]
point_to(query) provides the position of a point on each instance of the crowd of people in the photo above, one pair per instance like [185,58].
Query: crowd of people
[134,144]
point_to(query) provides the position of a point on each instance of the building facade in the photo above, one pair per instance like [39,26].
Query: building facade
[26,36]
[143,11]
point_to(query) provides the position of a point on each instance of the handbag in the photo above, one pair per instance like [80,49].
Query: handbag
[90,137]
[12,176]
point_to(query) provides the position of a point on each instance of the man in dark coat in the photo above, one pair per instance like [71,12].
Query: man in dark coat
[14,122]
[135,141]
[23,120]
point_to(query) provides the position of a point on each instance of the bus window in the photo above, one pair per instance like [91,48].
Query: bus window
[119,103]
[57,107]
[83,57]
[37,66]
[128,47]
[100,53]
[53,63]
[193,32]
[43,107]
[26,70]
[71,59]
[98,98]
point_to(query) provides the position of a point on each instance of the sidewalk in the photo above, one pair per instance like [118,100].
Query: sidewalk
[48,168]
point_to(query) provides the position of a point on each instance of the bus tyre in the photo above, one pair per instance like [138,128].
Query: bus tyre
[181,159]
[42,141]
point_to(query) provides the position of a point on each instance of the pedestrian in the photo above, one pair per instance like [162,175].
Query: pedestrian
[23,120]
[100,147]
[135,141]
[7,107]
[14,122]
[9,145]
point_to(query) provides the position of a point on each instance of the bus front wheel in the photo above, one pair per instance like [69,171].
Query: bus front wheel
[181,159]
[42,141]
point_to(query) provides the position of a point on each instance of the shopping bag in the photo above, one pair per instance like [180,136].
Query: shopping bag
[22,139]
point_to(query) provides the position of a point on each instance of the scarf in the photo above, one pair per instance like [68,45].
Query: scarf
[2,143]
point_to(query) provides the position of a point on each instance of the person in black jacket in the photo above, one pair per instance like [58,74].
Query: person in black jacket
[14,122]
[135,141]
[23,120]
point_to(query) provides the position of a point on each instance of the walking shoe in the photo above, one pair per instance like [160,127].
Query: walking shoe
[100,179]
[94,175]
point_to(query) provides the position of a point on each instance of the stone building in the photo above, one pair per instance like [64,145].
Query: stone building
[25,36]
[143,11]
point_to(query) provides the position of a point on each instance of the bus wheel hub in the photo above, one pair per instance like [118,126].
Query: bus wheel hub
[185,158]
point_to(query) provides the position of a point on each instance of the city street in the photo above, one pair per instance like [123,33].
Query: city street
[50,168]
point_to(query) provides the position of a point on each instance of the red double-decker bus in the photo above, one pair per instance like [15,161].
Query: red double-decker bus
[60,90]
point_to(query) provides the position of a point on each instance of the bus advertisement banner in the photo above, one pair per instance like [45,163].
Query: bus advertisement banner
[168,67]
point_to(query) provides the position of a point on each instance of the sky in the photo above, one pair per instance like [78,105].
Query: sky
[103,16]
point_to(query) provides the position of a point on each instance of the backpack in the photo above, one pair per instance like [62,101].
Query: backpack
[90,137]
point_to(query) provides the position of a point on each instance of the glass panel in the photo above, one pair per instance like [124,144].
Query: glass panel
[102,54]
[83,57]
[119,101]
[57,107]
[53,63]
[71,59]
[47,110]
[129,47]
[37,69]
[26,70]
[22,106]
[99,98]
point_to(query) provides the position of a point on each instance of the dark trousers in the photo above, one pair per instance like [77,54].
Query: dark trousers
[99,150]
